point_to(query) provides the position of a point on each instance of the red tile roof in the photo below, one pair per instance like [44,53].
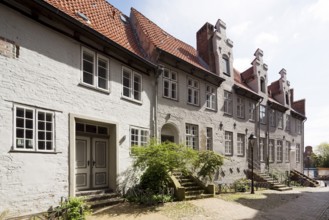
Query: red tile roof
[274,88]
[166,42]
[238,81]
[104,18]
[299,106]
[247,74]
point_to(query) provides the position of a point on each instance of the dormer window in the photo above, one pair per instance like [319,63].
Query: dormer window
[226,66]
[287,98]
[262,84]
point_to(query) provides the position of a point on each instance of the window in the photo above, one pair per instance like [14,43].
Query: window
[228,143]
[241,144]
[192,136]
[170,84]
[279,151]
[91,129]
[287,151]
[251,111]
[262,149]
[138,136]
[34,129]
[298,153]
[262,84]
[271,150]
[211,97]
[288,122]
[226,66]
[228,105]
[299,127]
[132,84]
[240,107]
[95,70]
[287,98]
[192,92]
[209,139]
[272,117]
[262,114]
[280,119]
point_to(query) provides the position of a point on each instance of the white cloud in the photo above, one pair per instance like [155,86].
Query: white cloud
[242,64]
[266,38]
[240,28]
[320,10]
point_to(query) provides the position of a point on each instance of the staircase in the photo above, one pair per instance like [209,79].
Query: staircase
[305,180]
[274,184]
[193,188]
[100,198]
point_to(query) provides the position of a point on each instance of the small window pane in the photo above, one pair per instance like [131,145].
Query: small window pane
[29,134]
[102,130]
[41,135]
[49,145]
[20,133]
[29,114]
[41,145]
[41,116]
[79,127]
[91,129]
[20,123]
[19,112]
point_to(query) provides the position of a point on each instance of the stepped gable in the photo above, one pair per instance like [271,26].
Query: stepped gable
[103,18]
[166,42]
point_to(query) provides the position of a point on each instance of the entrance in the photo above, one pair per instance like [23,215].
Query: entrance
[91,163]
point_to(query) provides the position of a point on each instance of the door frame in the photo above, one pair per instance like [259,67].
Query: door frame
[112,146]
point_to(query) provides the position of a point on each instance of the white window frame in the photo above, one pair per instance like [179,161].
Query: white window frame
[226,65]
[95,70]
[172,83]
[240,111]
[262,114]
[35,129]
[192,136]
[280,119]
[288,123]
[228,103]
[271,146]
[287,152]
[279,152]
[272,114]
[193,92]
[262,148]
[209,135]
[298,126]
[211,98]
[298,153]
[228,143]
[241,144]
[131,88]
[142,136]
[252,111]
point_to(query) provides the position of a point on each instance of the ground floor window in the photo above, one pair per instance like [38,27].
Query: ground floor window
[279,151]
[271,150]
[192,136]
[298,153]
[241,144]
[209,139]
[228,143]
[139,136]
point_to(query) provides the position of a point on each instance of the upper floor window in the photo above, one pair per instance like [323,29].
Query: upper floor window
[139,136]
[262,84]
[271,150]
[226,66]
[34,129]
[251,111]
[287,98]
[228,104]
[279,150]
[192,92]
[95,70]
[211,97]
[288,122]
[298,126]
[240,144]
[170,84]
[262,114]
[272,117]
[228,143]
[209,139]
[287,151]
[240,107]
[280,119]
[192,136]
[297,153]
[262,148]
[132,84]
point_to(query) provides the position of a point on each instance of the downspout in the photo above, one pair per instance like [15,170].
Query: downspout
[158,73]
[258,129]
[302,144]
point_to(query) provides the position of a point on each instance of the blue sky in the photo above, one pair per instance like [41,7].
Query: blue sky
[293,35]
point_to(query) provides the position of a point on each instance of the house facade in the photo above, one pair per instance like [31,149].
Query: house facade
[81,83]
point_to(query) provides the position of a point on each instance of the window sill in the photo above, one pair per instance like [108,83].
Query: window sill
[132,100]
[94,88]
[195,105]
[229,155]
[240,155]
[228,115]
[240,117]
[34,152]
[211,109]
[170,98]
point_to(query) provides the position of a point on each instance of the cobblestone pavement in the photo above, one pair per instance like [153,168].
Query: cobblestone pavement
[298,204]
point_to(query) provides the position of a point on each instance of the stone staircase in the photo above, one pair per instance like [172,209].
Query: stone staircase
[302,178]
[193,188]
[100,198]
[274,184]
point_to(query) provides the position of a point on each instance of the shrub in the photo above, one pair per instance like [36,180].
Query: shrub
[72,209]
[207,163]
[242,185]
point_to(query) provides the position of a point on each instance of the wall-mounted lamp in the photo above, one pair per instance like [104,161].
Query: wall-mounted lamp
[168,116]
[293,140]
[284,137]
[234,125]
[220,125]
[246,130]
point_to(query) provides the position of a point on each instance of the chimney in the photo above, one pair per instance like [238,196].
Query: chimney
[205,46]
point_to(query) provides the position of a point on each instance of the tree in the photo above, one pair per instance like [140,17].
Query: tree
[322,155]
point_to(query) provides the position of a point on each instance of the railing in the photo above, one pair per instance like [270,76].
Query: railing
[234,188]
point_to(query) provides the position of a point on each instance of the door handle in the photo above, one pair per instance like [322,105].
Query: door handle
[88,163]
[94,162]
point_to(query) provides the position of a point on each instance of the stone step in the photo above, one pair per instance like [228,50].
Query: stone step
[188,184]
[194,192]
[200,196]
[92,192]
[105,196]
[105,202]
[192,188]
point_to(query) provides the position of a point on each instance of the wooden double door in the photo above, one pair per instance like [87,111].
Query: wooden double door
[91,163]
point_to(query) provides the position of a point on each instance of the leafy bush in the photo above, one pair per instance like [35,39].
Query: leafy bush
[242,185]
[72,209]
[207,163]
[147,197]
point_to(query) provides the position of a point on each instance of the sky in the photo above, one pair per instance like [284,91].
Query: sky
[292,34]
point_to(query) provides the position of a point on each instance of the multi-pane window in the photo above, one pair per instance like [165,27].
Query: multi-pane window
[209,139]
[192,92]
[211,97]
[271,150]
[262,84]
[138,136]
[298,153]
[192,136]
[95,70]
[287,151]
[240,107]
[262,149]
[251,111]
[132,84]
[279,150]
[280,119]
[240,144]
[226,66]
[288,122]
[228,143]
[34,129]
[228,104]
[299,127]
[170,84]
[262,114]
[272,117]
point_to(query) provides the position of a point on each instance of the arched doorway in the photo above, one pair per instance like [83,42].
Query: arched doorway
[169,132]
